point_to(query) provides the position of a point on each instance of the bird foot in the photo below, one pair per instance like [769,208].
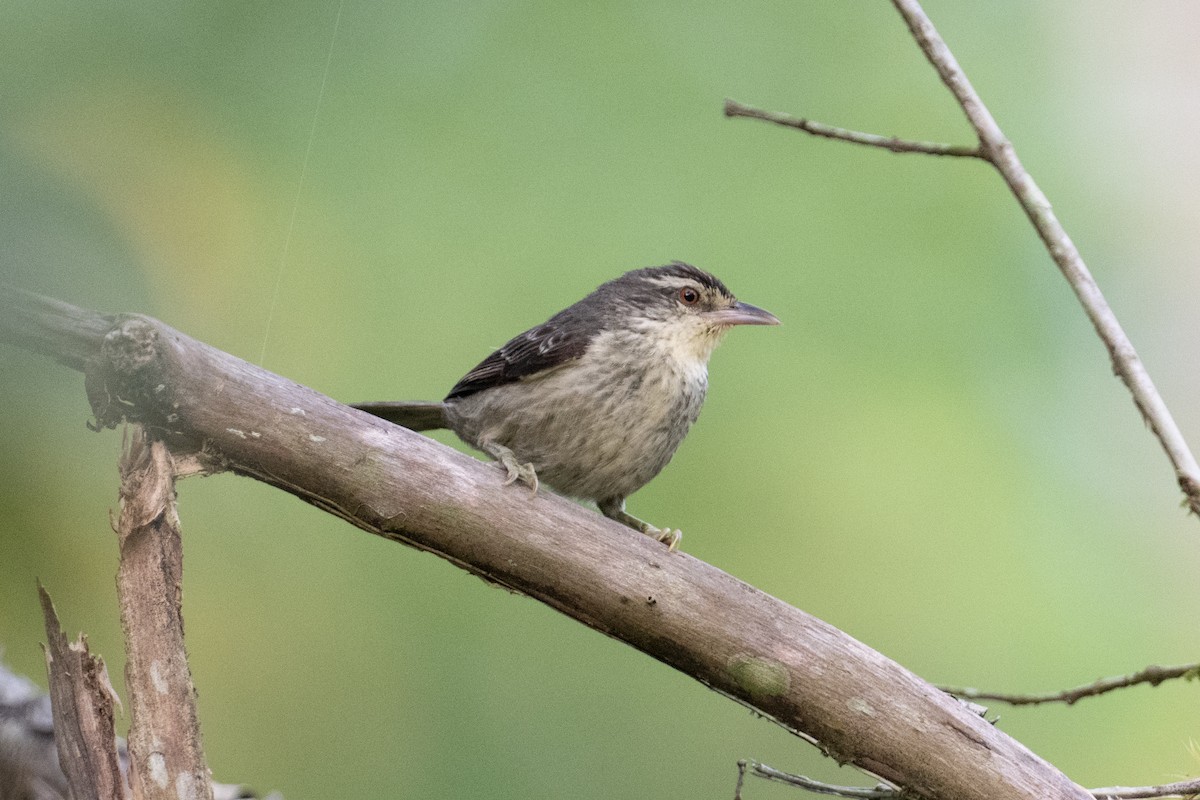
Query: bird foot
[615,509]
[519,472]
[508,460]
[667,536]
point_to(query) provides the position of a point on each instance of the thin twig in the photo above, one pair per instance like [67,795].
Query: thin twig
[760,770]
[1153,675]
[893,143]
[995,148]
[1183,789]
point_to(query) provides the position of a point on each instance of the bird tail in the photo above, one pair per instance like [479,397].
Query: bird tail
[414,416]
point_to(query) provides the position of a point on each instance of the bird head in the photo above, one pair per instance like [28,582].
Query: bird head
[685,309]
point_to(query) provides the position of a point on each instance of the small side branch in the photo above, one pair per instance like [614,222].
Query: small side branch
[1153,675]
[895,144]
[164,734]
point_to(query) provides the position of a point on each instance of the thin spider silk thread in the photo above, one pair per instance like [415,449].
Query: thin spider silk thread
[312,132]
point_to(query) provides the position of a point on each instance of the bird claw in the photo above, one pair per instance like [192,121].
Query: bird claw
[667,536]
[520,472]
[614,508]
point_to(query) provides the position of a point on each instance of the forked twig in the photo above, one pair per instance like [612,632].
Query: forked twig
[995,148]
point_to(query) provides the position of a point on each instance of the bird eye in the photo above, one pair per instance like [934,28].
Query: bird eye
[689,296]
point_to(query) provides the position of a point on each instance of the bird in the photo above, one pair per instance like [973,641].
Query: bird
[595,401]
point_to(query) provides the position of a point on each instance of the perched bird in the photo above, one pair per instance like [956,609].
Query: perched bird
[594,401]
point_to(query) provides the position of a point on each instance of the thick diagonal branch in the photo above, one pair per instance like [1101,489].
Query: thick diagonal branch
[809,677]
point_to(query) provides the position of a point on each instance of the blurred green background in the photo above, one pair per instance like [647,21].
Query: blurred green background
[931,453]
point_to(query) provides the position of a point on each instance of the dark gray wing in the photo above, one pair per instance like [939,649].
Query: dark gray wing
[550,344]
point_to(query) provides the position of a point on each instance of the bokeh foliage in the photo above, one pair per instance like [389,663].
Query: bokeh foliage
[931,453]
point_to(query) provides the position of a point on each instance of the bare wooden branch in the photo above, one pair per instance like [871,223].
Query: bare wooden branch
[1153,675]
[165,752]
[67,334]
[995,148]
[82,698]
[804,674]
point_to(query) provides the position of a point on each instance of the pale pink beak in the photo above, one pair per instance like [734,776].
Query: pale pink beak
[742,314]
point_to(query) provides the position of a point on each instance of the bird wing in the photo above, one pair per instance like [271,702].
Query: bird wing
[547,346]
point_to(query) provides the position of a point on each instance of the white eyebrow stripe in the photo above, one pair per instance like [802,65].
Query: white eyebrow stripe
[673,280]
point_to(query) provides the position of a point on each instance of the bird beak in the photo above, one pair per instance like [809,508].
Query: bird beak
[742,314]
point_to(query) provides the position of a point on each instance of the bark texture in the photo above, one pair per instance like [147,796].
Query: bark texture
[166,758]
[82,698]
